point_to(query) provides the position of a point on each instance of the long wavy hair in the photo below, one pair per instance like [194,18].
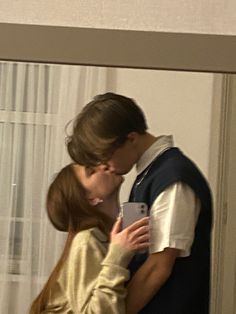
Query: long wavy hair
[68,210]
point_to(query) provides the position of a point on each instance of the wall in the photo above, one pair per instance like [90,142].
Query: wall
[178,103]
[186,105]
[210,17]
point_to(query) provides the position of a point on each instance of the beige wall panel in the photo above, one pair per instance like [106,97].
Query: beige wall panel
[178,103]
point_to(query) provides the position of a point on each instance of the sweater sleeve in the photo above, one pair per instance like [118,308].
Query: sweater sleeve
[96,280]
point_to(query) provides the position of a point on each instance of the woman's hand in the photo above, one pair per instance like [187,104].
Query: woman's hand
[133,238]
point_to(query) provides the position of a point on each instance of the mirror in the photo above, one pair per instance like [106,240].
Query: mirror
[182,88]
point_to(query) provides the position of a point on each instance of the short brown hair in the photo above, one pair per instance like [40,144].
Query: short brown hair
[102,126]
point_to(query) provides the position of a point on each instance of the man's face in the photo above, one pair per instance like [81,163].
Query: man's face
[98,182]
[123,159]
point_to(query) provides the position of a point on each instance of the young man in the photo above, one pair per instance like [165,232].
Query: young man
[174,278]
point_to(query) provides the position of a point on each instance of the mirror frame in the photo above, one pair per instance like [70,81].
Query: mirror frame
[118,48]
[133,49]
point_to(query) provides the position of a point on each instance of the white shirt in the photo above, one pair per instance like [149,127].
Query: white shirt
[174,213]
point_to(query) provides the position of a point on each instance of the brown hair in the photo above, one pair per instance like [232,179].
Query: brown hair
[68,210]
[102,126]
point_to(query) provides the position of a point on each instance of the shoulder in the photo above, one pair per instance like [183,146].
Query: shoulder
[173,164]
[84,260]
[86,239]
[174,157]
[87,246]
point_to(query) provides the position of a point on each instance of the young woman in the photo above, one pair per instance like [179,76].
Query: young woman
[91,274]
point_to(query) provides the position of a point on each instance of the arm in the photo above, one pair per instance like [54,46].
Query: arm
[108,295]
[173,218]
[98,283]
[149,279]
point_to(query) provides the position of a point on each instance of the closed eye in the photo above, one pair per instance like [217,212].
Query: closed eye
[89,171]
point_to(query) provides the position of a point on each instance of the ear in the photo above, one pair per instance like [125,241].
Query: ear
[132,136]
[95,201]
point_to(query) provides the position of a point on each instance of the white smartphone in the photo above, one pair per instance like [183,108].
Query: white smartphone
[131,212]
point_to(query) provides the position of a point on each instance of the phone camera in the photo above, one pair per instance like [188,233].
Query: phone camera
[142,211]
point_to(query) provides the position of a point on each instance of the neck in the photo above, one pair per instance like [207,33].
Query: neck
[145,141]
[111,206]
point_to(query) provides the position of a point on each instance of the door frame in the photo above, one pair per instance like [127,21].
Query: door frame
[229,261]
[222,177]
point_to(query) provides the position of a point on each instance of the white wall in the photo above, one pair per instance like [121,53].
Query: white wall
[178,103]
[210,17]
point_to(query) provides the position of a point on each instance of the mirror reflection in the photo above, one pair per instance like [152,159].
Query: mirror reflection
[37,101]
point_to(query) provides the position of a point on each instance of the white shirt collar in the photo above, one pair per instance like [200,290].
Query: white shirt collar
[161,144]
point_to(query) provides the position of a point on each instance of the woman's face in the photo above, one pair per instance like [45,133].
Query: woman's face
[99,182]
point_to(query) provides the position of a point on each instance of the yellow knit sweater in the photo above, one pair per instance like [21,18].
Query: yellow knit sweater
[93,277]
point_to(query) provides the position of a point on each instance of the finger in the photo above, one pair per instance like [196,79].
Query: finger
[140,246]
[139,234]
[117,226]
[143,238]
[140,231]
[139,223]
[144,245]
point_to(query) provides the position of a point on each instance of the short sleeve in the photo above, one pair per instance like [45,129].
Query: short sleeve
[173,218]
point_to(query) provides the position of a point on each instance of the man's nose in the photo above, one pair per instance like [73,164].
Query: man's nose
[111,168]
[103,167]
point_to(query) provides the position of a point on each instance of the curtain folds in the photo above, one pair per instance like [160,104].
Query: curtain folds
[36,102]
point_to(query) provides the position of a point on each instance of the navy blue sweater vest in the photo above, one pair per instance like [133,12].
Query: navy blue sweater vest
[187,289]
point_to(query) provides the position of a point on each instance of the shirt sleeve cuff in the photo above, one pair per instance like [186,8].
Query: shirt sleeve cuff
[118,255]
[183,245]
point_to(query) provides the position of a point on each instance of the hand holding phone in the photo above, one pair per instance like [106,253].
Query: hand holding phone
[135,238]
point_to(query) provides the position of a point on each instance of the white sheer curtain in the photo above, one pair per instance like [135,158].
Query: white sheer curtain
[36,101]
